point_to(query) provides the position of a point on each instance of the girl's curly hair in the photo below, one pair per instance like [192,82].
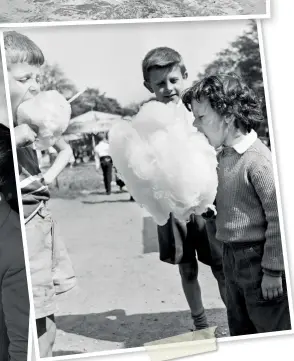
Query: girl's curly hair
[229,96]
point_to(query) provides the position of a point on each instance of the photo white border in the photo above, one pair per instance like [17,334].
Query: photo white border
[279,201]
[32,330]
[267,15]
[140,349]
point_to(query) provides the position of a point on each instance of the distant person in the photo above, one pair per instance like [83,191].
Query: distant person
[103,160]
[121,184]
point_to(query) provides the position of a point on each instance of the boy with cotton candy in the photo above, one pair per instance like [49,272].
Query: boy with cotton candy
[50,266]
[159,156]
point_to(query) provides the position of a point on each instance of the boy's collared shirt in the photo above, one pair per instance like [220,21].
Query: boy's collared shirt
[247,187]
[246,142]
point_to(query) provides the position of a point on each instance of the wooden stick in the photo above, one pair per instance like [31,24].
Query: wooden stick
[76,96]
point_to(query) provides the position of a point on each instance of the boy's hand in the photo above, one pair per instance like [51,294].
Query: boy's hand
[271,287]
[24,135]
[47,179]
[210,213]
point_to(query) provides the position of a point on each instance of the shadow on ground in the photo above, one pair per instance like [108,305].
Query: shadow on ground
[138,329]
[66,353]
[102,192]
[102,201]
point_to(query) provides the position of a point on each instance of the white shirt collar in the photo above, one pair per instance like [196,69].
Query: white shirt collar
[246,142]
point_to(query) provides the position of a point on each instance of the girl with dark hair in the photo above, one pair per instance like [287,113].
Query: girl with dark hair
[247,220]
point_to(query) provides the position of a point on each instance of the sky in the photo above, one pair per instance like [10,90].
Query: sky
[109,57]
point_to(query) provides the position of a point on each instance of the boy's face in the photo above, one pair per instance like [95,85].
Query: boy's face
[209,122]
[24,83]
[166,83]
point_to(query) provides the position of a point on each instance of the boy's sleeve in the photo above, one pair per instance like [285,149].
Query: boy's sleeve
[16,309]
[262,178]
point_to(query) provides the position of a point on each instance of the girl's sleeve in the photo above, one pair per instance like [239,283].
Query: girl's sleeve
[16,308]
[262,178]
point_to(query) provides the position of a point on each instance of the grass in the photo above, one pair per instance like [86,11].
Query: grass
[74,182]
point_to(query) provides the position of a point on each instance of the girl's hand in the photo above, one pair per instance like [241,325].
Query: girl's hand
[24,135]
[271,287]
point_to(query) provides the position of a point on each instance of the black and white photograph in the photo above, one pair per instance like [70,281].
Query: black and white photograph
[148,186]
[23,11]
[14,298]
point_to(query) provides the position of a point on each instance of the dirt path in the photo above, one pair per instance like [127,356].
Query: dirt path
[126,296]
[66,10]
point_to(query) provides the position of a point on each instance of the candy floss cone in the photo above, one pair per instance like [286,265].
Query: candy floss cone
[166,165]
[48,114]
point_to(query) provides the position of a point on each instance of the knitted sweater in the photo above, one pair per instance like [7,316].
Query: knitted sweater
[246,201]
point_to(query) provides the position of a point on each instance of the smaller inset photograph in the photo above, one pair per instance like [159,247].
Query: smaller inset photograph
[149,192]
[23,11]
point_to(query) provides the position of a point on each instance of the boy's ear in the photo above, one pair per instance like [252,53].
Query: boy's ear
[185,75]
[148,87]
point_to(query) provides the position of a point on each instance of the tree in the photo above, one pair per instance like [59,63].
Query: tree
[243,58]
[53,78]
[92,99]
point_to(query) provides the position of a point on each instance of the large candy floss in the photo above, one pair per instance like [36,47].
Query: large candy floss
[48,113]
[166,165]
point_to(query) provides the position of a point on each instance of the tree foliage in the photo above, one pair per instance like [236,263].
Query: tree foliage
[243,58]
[53,78]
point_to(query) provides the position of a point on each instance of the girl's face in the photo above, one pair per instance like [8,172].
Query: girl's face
[209,122]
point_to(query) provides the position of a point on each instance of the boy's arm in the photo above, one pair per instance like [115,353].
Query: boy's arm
[16,309]
[97,159]
[24,135]
[272,263]
[64,154]
[262,179]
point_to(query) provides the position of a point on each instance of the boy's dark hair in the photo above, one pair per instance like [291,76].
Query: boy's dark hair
[19,49]
[7,175]
[229,96]
[162,57]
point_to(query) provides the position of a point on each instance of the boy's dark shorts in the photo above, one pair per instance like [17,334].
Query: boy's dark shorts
[192,238]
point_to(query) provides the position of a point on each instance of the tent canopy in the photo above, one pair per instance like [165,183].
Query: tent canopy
[92,122]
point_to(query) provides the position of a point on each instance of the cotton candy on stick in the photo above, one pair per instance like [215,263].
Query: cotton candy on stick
[135,163]
[48,113]
[186,176]
[166,166]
